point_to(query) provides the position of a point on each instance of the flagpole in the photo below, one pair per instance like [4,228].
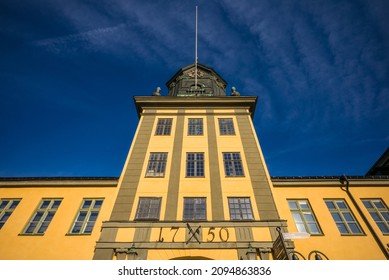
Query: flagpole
[196,58]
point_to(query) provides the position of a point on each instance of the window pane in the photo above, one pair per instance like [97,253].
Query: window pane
[3,204]
[330,205]
[342,228]
[77,227]
[337,217]
[297,217]
[376,217]
[89,227]
[378,204]
[292,205]
[341,205]
[98,204]
[303,205]
[384,228]
[81,216]
[367,204]
[14,204]
[308,217]
[348,217]
[45,204]
[38,216]
[313,228]
[87,203]
[301,228]
[5,217]
[55,204]
[30,228]
[354,228]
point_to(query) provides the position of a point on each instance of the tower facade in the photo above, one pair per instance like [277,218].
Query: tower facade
[195,184]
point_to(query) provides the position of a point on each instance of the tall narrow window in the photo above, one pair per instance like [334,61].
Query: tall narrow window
[240,208]
[43,216]
[7,206]
[195,164]
[194,208]
[164,126]
[195,126]
[157,165]
[303,216]
[148,208]
[233,164]
[226,126]
[87,216]
[343,217]
[379,212]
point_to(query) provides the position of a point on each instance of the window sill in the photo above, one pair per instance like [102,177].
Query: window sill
[351,234]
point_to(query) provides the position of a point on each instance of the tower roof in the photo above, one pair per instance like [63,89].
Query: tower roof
[209,83]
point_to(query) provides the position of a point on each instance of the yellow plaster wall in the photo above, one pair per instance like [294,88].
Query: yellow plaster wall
[55,243]
[196,186]
[332,243]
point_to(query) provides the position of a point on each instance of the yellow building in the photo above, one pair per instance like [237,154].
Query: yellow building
[195,186]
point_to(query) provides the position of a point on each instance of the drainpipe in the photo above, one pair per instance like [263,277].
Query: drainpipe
[343,179]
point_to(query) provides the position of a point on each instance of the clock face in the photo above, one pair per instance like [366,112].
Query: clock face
[192,73]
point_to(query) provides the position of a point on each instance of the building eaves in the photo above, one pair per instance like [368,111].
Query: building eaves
[58,182]
[327,178]
[174,102]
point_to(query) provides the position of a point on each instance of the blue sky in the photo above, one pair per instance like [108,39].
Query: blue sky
[69,70]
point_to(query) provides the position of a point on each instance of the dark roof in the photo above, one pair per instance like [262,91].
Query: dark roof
[381,166]
[191,66]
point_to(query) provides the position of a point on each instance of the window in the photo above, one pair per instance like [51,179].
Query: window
[164,127]
[379,212]
[157,165]
[303,217]
[226,127]
[7,206]
[240,208]
[194,208]
[43,216]
[195,126]
[195,164]
[233,164]
[148,208]
[343,217]
[87,216]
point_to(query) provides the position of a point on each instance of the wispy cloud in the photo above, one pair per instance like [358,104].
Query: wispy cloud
[313,59]
[318,52]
